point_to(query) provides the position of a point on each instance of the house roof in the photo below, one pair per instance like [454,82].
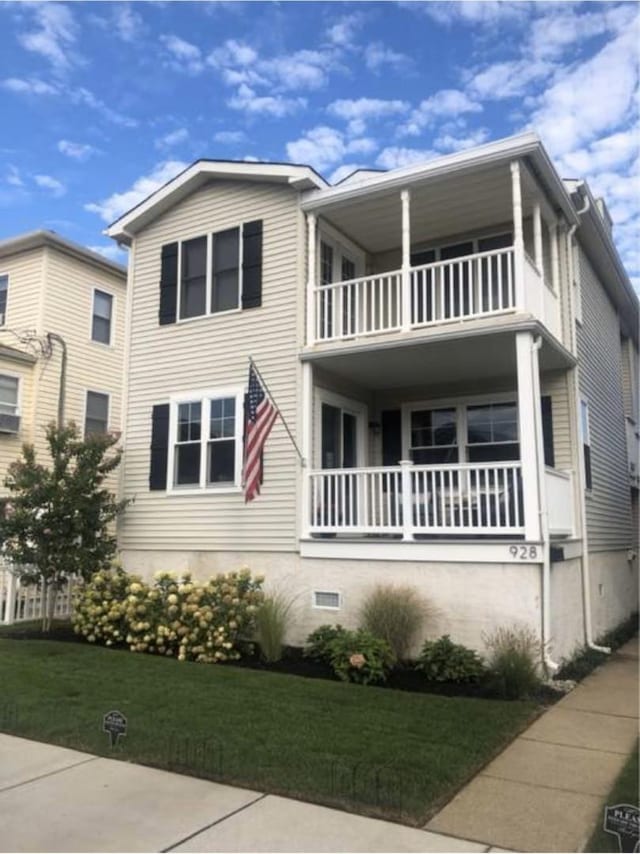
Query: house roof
[300,177]
[15,355]
[38,239]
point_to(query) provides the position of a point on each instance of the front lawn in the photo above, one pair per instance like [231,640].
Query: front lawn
[625,791]
[383,752]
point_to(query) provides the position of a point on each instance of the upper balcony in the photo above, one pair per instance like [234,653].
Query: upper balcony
[476,246]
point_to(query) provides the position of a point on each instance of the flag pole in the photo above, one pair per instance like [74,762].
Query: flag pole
[303,462]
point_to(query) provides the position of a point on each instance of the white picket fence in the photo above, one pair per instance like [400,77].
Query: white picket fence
[22,602]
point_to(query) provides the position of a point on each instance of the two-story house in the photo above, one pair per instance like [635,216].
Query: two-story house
[62,334]
[454,345]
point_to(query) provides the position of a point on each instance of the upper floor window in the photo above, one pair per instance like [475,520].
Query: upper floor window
[212,273]
[4,288]
[206,440]
[8,395]
[102,316]
[96,419]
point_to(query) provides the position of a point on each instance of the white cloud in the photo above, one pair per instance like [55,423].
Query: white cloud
[13,178]
[174,137]
[47,182]
[232,53]
[361,110]
[472,12]
[606,153]
[229,137]
[342,32]
[116,204]
[54,33]
[184,56]
[29,87]
[76,150]
[394,157]
[508,79]
[247,100]
[128,23]
[450,142]
[377,56]
[84,96]
[342,172]
[111,253]
[443,104]
[323,147]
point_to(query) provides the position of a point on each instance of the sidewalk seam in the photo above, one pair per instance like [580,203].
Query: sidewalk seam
[48,774]
[574,746]
[543,786]
[213,823]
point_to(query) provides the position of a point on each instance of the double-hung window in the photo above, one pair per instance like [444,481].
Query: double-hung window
[101,317]
[8,395]
[225,271]
[492,432]
[96,419]
[193,278]
[434,436]
[206,443]
[4,288]
[210,265]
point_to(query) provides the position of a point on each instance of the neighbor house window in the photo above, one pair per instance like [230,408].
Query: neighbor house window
[101,319]
[8,395]
[4,288]
[586,443]
[207,440]
[96,419]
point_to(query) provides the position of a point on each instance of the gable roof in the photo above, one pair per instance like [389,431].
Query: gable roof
[299,177]
[41,238]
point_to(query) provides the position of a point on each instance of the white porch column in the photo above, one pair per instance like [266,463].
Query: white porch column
[518,235]
[405,197]
[311,279]
[555,258]
[537,238]
[528,441]
[407,500]
[306,449]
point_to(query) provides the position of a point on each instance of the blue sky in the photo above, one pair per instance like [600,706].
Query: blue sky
[103,102]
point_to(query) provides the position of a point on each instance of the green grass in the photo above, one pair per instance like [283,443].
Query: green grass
[625,791]
[382,752]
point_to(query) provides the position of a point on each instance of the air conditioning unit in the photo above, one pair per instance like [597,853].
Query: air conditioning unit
[9,423]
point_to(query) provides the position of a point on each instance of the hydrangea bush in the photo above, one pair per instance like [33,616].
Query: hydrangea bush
[174,615]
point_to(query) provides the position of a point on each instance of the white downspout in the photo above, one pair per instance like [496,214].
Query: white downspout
[549,663]
[584,560]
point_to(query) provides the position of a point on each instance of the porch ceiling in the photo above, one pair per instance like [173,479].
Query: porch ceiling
[435,362]
[445,206]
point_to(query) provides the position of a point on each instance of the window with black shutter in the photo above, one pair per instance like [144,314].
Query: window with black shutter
[586,443]
[159,446]
[168,283]
[547,431]
[225,271]
[193,278]
[252,264]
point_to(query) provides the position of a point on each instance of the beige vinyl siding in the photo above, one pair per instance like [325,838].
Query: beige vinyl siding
[25,271]
[608,504]
[629,365]
[212,352]
[91,366]
[10,446]
[557,386]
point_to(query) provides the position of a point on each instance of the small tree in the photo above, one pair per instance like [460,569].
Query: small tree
[58,520]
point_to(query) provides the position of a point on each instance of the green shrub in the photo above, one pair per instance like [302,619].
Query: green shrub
[514,653]
[395,614]
[318,645]
[360,657]
[272,618]
[172,616]
[444,661]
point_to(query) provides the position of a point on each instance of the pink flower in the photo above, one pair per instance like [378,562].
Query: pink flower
[357,660]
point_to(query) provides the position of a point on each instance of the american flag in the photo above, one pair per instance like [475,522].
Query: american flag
[259,417]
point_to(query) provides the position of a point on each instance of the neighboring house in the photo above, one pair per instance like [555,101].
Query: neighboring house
[52,289]
[418,330]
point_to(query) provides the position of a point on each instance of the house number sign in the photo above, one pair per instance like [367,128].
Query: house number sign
[524,552]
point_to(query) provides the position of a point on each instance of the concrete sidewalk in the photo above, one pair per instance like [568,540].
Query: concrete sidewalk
[545,791]
[54,799]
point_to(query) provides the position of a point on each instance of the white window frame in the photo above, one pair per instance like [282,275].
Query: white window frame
[352,407]
[315,607]
[18,378]
[84,413]
[3,317]
[209,275]
[204,397]
[342,247]
[475,239]
[460,405]
[108,293]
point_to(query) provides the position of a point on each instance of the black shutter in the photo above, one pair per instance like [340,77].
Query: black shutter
[391,437]
[168,283]
[159,446]
[252,264]
[547,431]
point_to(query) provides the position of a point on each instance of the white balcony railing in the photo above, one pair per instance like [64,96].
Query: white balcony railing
[482,498]
[463,288]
